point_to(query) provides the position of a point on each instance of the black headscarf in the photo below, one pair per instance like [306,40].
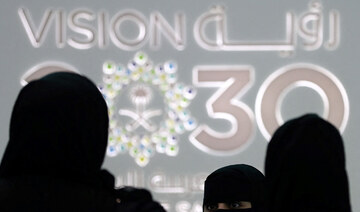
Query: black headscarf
[59,128]
[305,168]
[239,182]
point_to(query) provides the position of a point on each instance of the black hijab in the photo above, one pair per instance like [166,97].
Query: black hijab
[238,182]
[59,128]
[305,168]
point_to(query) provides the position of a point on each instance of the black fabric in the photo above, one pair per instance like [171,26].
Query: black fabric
[305,168]
[235,210]
[46,194]
[59,126]
[137,200]
[58,137]
[239,182]
[131,194]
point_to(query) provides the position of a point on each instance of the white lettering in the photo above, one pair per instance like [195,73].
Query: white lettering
[98,29]
[278,84]
[115,33]
[36,36]
[85,29]
[233,81]
[175,35]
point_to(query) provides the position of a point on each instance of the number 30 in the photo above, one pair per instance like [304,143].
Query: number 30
[234,81]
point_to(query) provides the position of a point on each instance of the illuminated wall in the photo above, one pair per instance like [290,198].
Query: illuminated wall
[191,86]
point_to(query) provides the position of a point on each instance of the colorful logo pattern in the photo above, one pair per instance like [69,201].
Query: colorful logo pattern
[140,78]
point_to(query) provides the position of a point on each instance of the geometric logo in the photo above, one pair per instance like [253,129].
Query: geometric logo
[138,124]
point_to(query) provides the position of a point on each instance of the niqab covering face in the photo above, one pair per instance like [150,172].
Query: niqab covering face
[59,128]
[305,168]
[235,183]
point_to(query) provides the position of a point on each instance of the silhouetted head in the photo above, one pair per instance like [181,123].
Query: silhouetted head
[305,168]
[234,188]
[59,127]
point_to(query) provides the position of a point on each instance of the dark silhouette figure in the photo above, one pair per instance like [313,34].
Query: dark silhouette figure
[136,200]
[234,188]
[58,138]
[305,168]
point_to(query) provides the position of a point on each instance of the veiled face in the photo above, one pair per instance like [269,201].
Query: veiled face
[234,187]
[227,206]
